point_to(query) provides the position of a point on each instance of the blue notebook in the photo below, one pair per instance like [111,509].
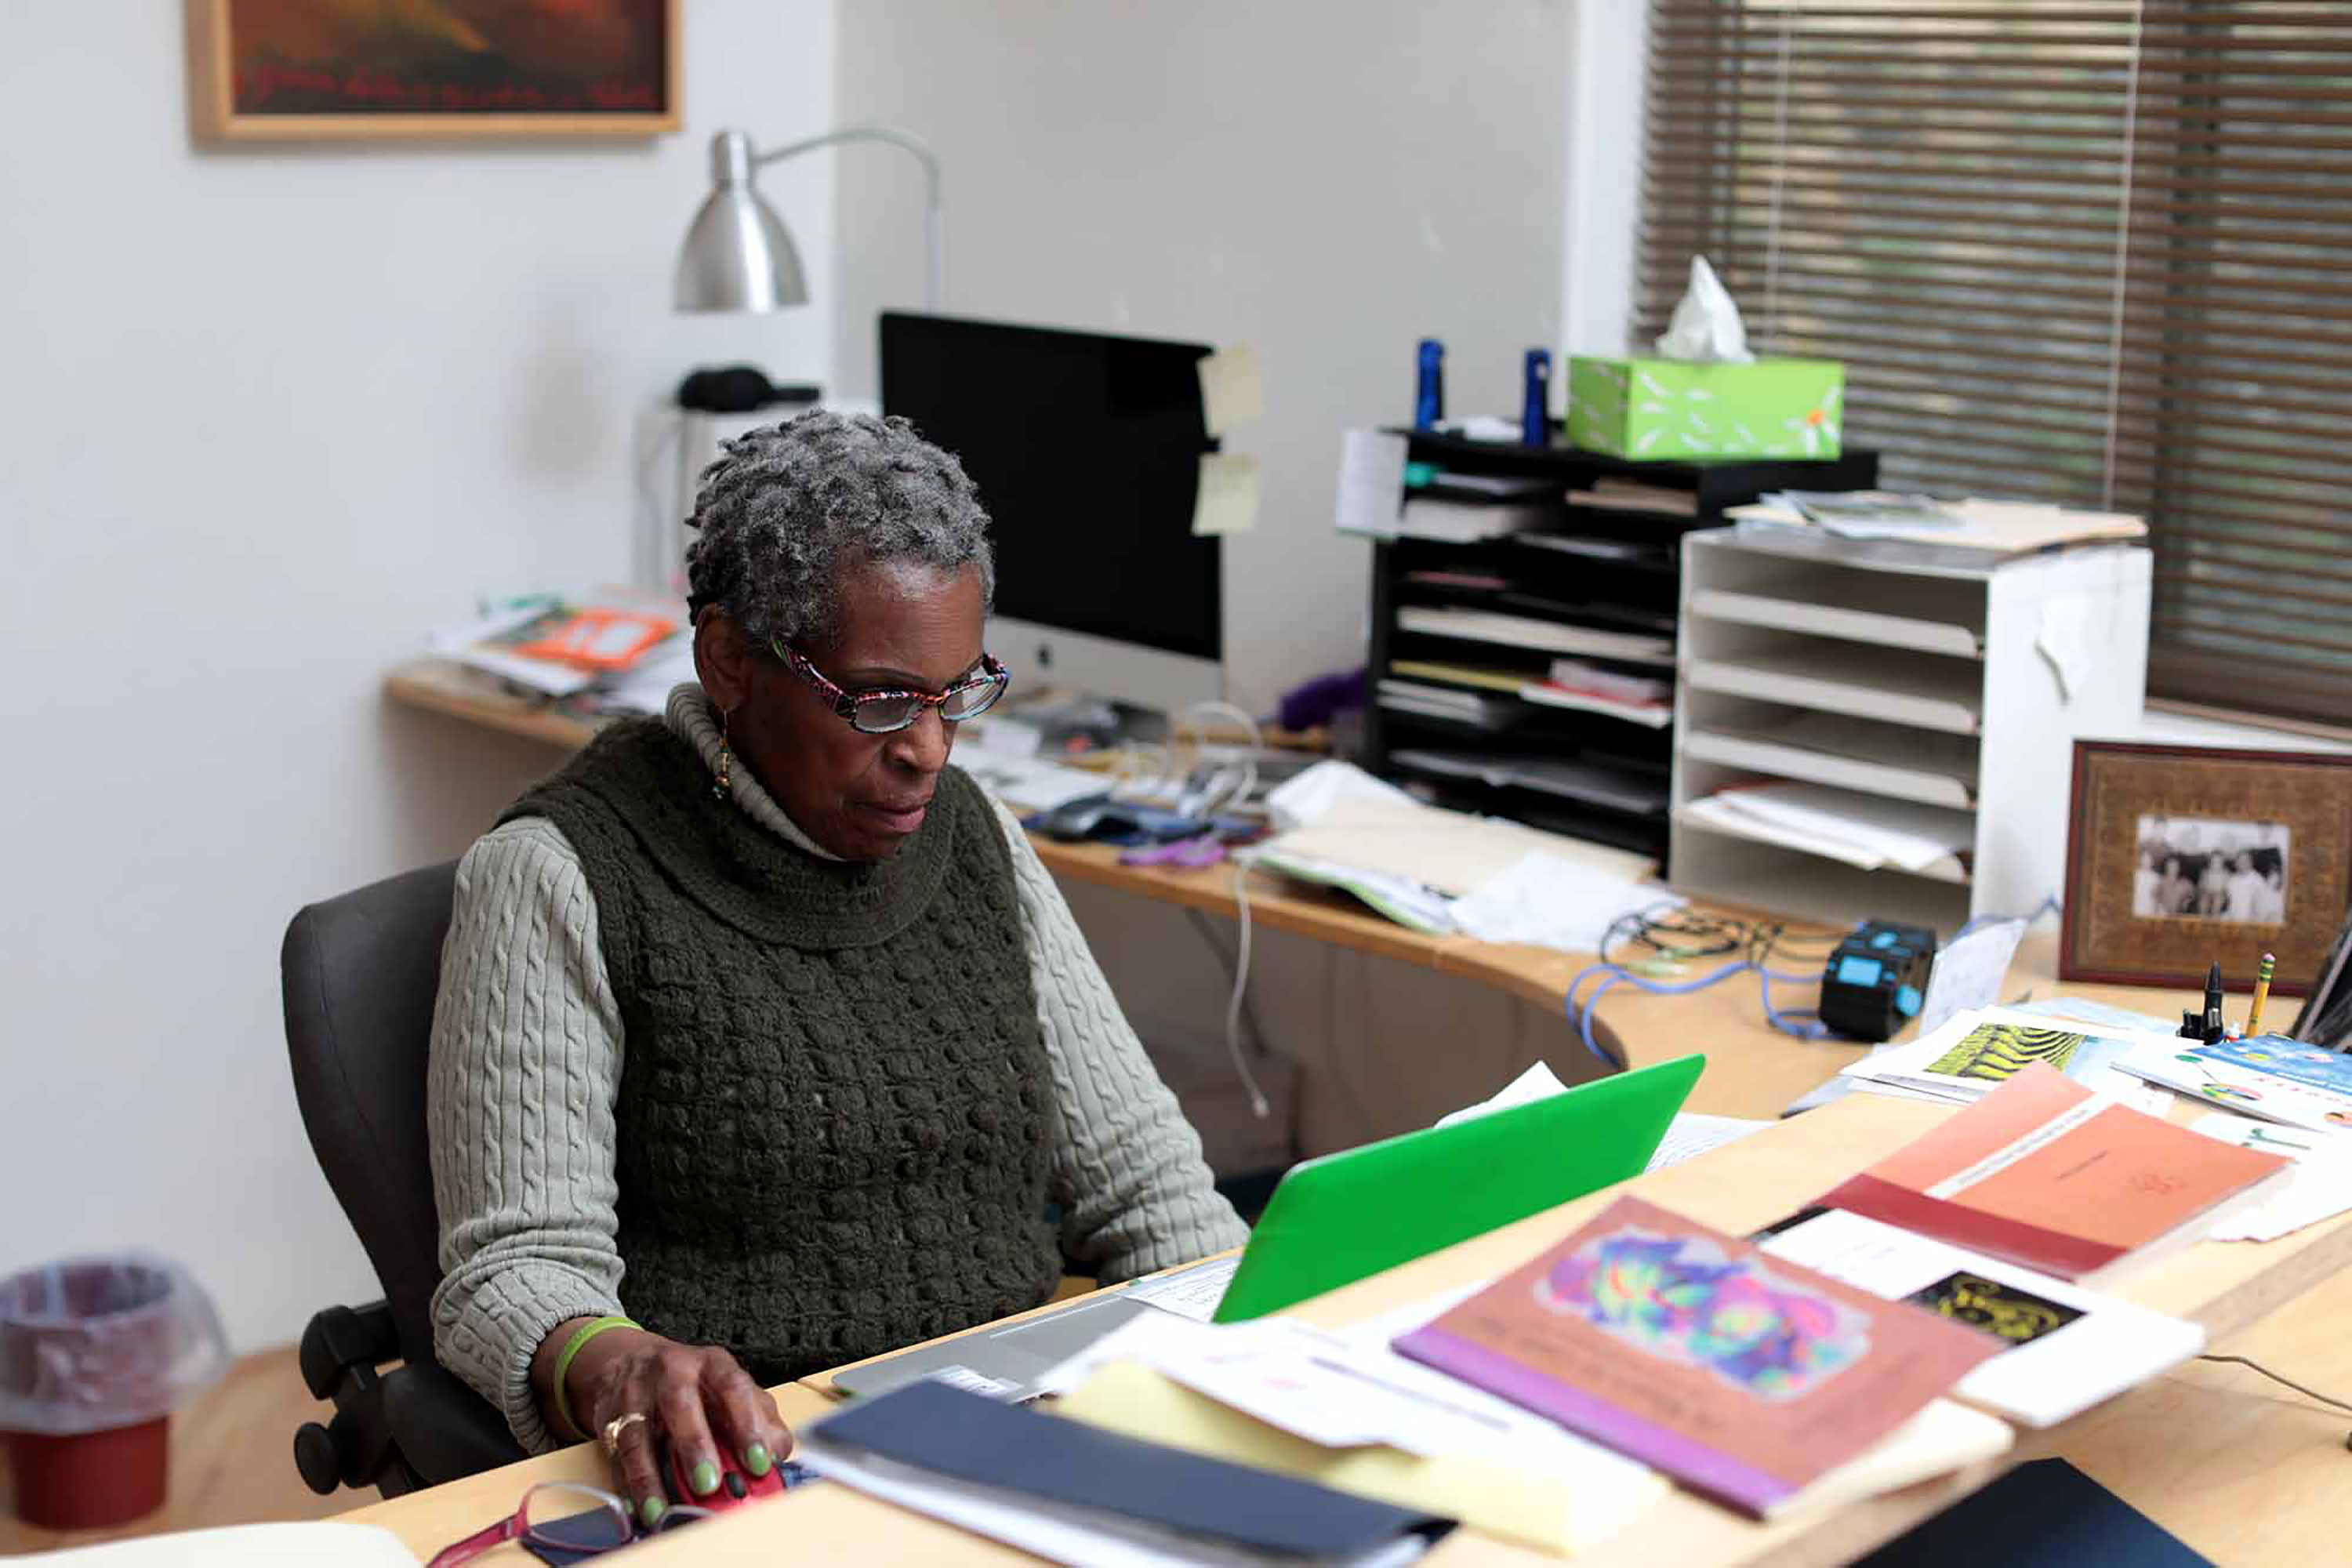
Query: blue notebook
[2045,1514]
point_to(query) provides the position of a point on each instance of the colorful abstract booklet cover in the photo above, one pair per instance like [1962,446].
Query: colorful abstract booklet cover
[2270,1077]
[2044,1174]
[1744,1377]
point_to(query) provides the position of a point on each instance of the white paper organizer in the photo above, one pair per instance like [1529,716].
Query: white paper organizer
[1943,694]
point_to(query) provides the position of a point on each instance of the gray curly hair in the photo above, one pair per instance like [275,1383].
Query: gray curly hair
[789,506]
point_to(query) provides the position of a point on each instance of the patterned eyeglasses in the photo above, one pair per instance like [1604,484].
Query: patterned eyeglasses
[564,1516]
[887,711]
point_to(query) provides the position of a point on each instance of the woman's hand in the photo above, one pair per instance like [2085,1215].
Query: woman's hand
[698,1397]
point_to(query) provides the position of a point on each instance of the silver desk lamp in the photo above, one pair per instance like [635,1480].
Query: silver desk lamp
[737,254]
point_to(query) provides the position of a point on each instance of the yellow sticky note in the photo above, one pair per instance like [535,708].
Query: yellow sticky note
[1226,500]
[1231,393]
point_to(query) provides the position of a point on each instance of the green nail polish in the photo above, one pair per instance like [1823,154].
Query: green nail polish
[705,1478]
[651,1510]
[756,1458]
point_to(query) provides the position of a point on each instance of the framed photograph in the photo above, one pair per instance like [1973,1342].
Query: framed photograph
[287,71]
[2182,856]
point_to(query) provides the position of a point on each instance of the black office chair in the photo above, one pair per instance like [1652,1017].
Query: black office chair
[360,975]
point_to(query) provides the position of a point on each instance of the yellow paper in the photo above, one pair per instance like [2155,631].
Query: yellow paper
[1535,1509]
[1226,501]
[1231,394]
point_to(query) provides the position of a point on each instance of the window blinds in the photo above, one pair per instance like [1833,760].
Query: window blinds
[2096,251]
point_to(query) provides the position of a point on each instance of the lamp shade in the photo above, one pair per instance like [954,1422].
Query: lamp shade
[737,256]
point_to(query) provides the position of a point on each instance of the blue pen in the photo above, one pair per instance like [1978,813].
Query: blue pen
[1535,409]
[1429,389]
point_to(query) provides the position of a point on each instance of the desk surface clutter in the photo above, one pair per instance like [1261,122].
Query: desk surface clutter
[1737,1188]
[1759,1180]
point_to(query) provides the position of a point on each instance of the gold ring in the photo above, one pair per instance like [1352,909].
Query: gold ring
[615,1428]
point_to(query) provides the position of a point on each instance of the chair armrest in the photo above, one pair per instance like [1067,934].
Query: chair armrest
[443,1428]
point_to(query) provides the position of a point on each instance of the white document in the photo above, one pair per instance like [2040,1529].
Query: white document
[1226,499]
[1230,392]
[1084,1538]
[1372,482]
[243,1546]
[2321,1187]
[2074,1348]
[1870,830]
[1549,902]
[1192,1293]
[1694,1133]
[1968,973]
[1333,1393]
[1538,1082]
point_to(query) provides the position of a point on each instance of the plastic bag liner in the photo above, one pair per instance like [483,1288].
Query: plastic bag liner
[93,1343]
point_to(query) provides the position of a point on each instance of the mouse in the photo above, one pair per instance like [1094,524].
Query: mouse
[736,1485]
[1078,818]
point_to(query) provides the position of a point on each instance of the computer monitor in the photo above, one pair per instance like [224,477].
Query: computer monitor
[1087,451]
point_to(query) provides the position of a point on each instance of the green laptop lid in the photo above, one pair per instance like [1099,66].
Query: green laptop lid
[1336,1219]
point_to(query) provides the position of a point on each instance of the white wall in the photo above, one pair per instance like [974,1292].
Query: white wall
[269,415]
[1327,181]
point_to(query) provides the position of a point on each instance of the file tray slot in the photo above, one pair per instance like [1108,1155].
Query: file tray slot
[1922,691]
[1928,615]
[1741,735]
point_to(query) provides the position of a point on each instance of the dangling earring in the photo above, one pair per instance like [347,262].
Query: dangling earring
[723,785]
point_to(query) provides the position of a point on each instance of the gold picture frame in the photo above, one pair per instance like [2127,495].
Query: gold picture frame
[2179,858]
[312,70]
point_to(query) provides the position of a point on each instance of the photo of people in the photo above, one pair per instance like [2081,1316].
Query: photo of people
[2209,868]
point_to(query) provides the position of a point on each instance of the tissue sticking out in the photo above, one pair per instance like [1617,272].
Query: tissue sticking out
[1706,325]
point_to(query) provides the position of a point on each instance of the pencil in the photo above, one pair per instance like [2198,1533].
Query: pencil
[2261,991]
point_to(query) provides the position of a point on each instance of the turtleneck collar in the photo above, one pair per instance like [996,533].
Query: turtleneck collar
[691,720]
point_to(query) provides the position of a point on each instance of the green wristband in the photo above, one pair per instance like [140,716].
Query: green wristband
[581,1336]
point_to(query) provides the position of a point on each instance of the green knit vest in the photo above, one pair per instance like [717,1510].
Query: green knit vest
[835,1103]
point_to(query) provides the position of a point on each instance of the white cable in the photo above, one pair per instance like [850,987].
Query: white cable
[1258,1104]
[1191,718]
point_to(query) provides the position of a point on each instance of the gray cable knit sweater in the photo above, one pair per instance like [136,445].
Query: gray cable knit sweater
[526,1063]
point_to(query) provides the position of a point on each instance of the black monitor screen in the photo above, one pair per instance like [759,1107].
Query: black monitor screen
[1087,451]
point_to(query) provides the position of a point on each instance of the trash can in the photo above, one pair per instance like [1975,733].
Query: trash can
[94,1353]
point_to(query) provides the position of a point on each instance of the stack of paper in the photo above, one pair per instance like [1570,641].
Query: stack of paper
[1591,688]
[1611,494]
[1861,830]
[2321,1188]
[1345,1411]
[2270,1077]
[1449,702]
[614,641]
[1549,901]
[1977,1051]
[1528,632]
[2002,528]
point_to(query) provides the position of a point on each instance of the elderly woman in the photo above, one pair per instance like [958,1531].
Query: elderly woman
[764,1042]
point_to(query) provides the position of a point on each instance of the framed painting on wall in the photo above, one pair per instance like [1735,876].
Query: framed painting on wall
[288,70]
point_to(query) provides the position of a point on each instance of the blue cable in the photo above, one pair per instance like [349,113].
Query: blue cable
[1790,1023]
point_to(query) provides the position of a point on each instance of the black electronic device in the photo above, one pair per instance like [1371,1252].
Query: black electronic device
[1876,979]
[1087,451]
[741,389]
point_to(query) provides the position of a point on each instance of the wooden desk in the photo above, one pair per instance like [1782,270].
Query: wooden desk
[1751,1069]
[2224,1286]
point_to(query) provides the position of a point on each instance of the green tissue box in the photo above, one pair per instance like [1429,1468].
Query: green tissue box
[1666,408]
